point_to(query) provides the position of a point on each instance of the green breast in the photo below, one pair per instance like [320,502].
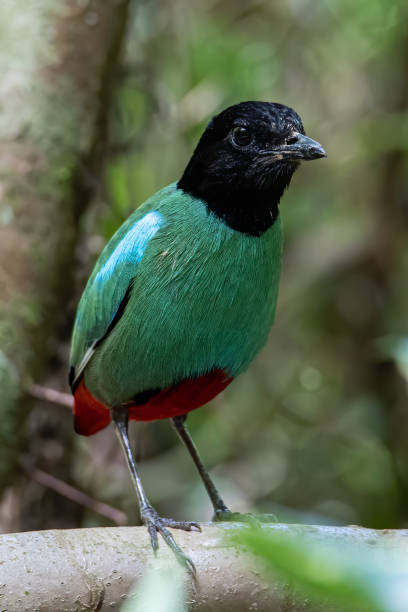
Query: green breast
[204,297]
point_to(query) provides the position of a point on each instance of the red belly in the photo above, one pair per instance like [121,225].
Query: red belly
[90,415]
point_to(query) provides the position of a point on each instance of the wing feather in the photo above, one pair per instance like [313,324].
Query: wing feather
[108,289]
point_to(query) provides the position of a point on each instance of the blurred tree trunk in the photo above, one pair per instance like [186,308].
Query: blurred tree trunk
[59,61]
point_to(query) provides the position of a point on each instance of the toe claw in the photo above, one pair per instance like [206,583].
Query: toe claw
[195,527]
[153,537]
[191,568]
[156,524]
[185,561]
[184,525]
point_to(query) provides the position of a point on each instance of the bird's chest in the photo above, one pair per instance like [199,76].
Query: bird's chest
[214,299]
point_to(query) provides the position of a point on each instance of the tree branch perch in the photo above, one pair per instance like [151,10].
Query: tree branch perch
[94,569]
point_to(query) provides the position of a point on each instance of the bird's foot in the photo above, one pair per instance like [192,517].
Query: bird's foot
[157,524]
[226,515]
[253,519]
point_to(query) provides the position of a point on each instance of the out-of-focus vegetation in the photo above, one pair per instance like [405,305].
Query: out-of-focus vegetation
[315,430]
[162,589]
[334,575]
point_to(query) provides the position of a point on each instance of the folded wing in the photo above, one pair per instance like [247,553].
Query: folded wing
[109,287]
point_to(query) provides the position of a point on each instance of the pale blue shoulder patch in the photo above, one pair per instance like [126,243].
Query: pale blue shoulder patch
[131,248]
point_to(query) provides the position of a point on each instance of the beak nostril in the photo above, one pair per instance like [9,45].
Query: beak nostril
[292,139]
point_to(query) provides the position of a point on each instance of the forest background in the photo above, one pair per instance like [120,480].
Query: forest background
[315,431]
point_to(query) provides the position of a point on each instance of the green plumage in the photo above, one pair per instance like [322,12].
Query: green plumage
[203,297]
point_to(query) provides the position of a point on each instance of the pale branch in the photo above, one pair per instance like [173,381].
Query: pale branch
[94,569]
[66,490]
[50,395]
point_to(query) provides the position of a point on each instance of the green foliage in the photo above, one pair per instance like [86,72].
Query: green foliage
[10,391]
[336,575]
[160,590]
[395,348]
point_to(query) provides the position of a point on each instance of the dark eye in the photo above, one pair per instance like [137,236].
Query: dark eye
[241,136]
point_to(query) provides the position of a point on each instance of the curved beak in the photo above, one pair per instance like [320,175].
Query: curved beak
[299,148]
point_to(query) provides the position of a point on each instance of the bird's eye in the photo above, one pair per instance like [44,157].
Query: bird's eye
[241,136]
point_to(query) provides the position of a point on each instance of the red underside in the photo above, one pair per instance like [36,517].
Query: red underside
[90,415]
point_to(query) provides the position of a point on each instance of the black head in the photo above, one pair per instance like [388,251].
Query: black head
[244,161]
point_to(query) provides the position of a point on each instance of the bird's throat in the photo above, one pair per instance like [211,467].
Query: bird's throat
[249,211]
[247,206]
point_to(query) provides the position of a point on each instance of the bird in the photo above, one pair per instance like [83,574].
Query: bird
[183,296]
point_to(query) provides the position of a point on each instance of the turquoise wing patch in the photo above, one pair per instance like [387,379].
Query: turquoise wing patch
[130,249]
[108,285]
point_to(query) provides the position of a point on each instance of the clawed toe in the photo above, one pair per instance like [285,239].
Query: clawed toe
[157,524]
[184,525]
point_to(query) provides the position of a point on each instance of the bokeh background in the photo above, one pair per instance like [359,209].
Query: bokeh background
[316,430]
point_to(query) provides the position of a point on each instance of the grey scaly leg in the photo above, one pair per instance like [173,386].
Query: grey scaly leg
[154,523]
[221,512]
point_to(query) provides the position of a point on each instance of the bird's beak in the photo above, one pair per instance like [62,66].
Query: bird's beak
[304,148]
[299,147]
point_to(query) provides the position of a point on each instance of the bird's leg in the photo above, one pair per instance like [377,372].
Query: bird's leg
[221,512]
[154,523]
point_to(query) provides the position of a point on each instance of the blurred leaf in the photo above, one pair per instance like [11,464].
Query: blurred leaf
[337,574]
[395,348]
[160,590]
[118,186]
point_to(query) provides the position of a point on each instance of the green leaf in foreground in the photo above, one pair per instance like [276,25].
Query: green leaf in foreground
[334,576]
[161,589]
